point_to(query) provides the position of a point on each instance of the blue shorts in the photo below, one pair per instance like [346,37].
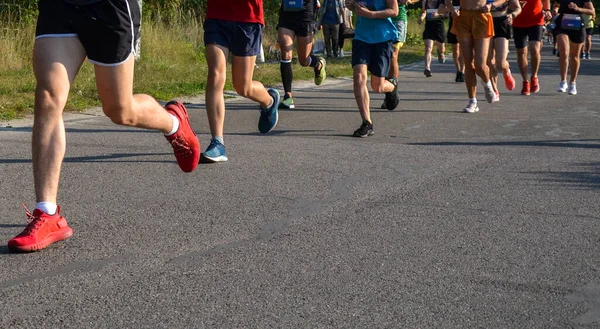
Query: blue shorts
[376,56]
[242,39]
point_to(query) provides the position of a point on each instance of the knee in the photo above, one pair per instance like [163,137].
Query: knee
[51,101]
[216,76]
[360,78]
[377,85]
[243,89]
[303,61]
[120,113]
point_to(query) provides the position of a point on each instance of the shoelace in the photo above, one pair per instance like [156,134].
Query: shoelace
[33,223]
[181,147]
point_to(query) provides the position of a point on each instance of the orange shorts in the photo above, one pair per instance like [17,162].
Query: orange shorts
[473,24]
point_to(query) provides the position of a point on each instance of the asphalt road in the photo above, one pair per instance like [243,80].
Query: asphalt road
[440,220]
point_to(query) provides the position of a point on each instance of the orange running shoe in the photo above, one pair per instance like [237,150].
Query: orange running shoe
[535,85]
[509,81]
[185,143]
[525,90]
[42,231]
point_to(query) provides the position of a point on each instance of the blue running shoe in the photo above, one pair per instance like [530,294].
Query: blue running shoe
[268,117]
[215,152]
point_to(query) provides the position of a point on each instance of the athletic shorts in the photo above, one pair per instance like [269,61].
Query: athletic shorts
[473,24]
[521,34]
[589,31]
[242,39]
[108,30]
[451,37]
[375,55]
[435,30]
[501,27]
[401,27]
[301,29]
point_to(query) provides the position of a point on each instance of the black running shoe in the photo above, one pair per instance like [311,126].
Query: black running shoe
[365,130]
[392,99]
[460,77]
[427,73]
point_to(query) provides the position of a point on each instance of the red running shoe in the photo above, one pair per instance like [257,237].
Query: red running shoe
[185,143]
[525,90]
[509,81]
[535,85]
[42,231]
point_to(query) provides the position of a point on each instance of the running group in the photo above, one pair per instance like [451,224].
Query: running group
[106,32]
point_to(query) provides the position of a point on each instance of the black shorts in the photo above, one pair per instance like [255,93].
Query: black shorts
[108,30]
[375,55]
[575,36]
[521,34]
[501,28]
[589,31]
[242,39]
[451,37]
[301,29]
[435,30]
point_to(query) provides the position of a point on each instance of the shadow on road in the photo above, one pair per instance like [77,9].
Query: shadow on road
[588,179]
[576,143]
[103,158]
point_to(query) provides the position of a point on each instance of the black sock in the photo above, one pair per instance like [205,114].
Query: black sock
[314,61]
[286,75]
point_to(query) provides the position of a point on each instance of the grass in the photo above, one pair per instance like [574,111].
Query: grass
[172,64]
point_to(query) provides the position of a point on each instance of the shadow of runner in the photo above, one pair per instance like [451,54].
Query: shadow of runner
[102,158]
[575,143]
[588,179]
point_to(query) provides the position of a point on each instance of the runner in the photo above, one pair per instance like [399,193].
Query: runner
[331,16]
[529,26]
[474,27]
[371,51]
[400,21]
[452,40]
[589,32]
[105,32]
[499,46]
[237,29]
[299,24]
[570,35]
[431,14]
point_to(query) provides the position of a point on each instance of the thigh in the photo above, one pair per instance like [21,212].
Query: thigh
[481,47]
[304,46]
[466,49]
[381,54]
[242,70]
[56,62]
[115,85]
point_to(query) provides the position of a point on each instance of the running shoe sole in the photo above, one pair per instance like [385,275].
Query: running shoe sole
[63,234]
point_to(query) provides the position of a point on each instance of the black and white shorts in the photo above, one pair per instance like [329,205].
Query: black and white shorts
[108,30]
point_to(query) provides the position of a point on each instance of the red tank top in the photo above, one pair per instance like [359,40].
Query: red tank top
[246,11]
[531,14]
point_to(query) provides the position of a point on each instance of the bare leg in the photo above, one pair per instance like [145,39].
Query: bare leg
[361,93]
[216,58]
[241,71]
[428,49]
[523,63]
[574,60]
[563,60]
[481,47]
[394,69]
[466,51]
[458,60]
[491,62]
[536,58]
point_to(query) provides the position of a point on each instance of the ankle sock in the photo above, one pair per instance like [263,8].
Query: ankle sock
[473,100]
[219,139]
[47,207]
[175,125]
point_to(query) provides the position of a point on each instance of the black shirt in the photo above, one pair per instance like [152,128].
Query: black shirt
[307,15]
[564,6]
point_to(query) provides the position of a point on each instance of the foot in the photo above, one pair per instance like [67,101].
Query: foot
[587,56]
[341,54]
[215,152]
[573,89]
[43,230]
[427,73]
[441,58]
[269,117]
[562,87]
[509,81]
[471,107]
[490,94]
[185,143]
[365,130]
[553,51]
[460,77]
[287,102]
[496,97]
[320,74]
[383,106]
[525,90]
[535,85]
[392,99]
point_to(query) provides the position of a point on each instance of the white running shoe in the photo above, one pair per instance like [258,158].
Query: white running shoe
[562,87]
[573,89]
[490,94]
[496,97]
[471,107]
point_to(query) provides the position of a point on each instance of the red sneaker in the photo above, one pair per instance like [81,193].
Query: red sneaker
[535,85]
[42,231]
[185,143]
[509,81]
[525,90]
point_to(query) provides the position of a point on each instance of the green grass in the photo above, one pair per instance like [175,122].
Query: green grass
[172,65]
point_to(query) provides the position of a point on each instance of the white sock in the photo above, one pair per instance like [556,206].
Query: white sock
[220,139]
[175,125]
[47,207]
[270,104]
[489,84]
[473,100]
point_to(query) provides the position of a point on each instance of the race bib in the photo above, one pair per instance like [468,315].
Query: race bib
[571,22]
[293,5]
[431,14]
